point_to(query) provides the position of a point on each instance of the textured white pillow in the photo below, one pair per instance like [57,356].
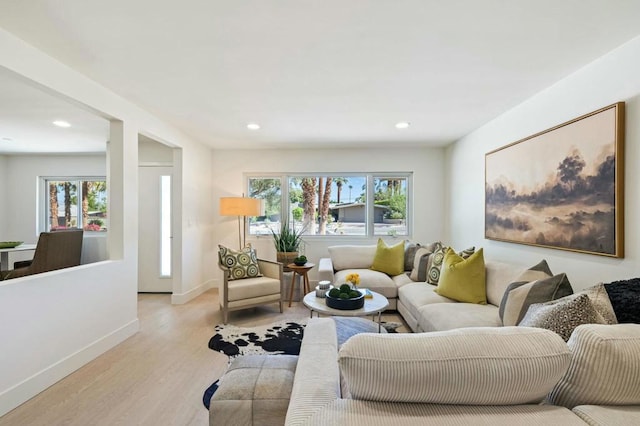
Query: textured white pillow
[352,257]
[604,369]
[473,366]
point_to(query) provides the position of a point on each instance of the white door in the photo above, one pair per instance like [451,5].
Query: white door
[154,230]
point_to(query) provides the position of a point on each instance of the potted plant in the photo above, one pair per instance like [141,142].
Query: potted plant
[287,243]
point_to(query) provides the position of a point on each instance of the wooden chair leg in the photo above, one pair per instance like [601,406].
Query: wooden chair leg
[281,310]
[293,282]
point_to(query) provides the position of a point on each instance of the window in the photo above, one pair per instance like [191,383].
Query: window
[75,203]
[334,205]
[269,190]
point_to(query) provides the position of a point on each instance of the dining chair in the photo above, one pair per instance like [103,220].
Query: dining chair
[55,250]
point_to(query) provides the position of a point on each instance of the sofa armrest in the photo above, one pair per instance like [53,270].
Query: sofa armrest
[325,270]
[270,269]
[317,379]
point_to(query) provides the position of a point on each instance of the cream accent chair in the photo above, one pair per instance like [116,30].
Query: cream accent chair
[249,292]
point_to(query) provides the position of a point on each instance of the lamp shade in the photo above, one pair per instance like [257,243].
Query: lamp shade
[240,206]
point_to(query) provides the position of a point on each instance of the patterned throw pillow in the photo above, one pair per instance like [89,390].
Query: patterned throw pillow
[421,261]
[624,296]
[541,271]
[241,264]
[563,315]
[519,296]
[436,261]
[600,301]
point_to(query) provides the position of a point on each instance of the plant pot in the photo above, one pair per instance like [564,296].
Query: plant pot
[286,257]
[345,304]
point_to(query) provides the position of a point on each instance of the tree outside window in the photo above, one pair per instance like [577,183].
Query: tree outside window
[77,203]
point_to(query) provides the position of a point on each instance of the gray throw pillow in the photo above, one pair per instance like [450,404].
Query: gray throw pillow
[520,295]
[421,264]
[563,315]
[409,254]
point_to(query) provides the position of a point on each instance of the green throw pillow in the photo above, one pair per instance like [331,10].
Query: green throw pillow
[389,260]
[463,279]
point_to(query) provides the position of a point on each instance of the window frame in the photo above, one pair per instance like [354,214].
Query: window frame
[370,195]
[43,200]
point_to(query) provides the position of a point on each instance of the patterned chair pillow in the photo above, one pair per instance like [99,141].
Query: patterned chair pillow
[240,264]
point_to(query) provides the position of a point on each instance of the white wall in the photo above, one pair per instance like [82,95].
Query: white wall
[3,189]
[51,324]
[610,79]
[426,164]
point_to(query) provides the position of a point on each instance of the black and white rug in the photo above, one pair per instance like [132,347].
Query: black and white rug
[282,338]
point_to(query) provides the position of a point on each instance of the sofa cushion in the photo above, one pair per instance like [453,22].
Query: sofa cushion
[351,257]
[389,259]
[604,369]
[452,367]
[463,279]
[563,315]
[618,415]
[373,280]
[421,262]
[369,413]
[240,264]
[520,295]
[438,317]
[416,295]
[499,276]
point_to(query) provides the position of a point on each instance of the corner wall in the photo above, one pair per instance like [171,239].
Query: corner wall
[54,323]
[610,79]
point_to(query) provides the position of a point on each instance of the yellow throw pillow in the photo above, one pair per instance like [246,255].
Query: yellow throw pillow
[463,279]
[389,260]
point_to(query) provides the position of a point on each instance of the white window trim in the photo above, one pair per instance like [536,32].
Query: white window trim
[370,195]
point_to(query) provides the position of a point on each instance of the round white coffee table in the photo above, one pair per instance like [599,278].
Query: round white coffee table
[373,306]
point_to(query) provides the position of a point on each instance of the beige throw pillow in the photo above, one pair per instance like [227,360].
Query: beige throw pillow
[421,262]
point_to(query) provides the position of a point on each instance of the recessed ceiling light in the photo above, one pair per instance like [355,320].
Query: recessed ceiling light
[61,123]
[403,125]
[253,126]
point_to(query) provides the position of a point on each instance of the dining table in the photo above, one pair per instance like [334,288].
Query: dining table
[4,254]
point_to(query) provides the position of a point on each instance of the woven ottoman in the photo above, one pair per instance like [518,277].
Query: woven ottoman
[255,390]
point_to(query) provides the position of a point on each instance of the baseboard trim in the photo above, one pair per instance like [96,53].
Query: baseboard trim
[182,298]
[30,387]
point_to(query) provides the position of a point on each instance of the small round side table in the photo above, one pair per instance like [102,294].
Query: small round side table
[302,272]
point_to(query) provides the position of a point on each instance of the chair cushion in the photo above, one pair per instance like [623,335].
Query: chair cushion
[452,367]
[389,259]
[241,264]
[604,369]
[252,287]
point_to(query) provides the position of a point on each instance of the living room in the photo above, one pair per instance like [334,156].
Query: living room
[448,204]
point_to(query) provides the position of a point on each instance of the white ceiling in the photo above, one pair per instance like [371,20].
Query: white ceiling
[324,73]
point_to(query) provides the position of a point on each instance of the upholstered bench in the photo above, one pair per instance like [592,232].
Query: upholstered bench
[256,389]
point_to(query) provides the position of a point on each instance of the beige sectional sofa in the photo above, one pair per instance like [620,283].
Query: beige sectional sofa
[419,305]
[480,376]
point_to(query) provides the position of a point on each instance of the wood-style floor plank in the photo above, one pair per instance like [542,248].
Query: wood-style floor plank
[157,376]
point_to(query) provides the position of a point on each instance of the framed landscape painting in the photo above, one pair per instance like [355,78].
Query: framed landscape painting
[561,188]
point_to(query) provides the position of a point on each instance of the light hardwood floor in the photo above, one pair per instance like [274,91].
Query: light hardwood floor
[157,376]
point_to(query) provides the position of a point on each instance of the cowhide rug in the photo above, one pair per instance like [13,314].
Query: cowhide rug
[283,338]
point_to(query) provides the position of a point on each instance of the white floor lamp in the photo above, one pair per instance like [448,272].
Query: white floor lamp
[240,206]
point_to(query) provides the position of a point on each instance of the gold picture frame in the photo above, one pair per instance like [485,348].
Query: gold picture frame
[562,188]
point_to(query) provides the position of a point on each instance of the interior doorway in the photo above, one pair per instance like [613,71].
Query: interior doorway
[156,217]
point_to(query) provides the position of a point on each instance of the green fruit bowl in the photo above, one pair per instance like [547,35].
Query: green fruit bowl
[345,304]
